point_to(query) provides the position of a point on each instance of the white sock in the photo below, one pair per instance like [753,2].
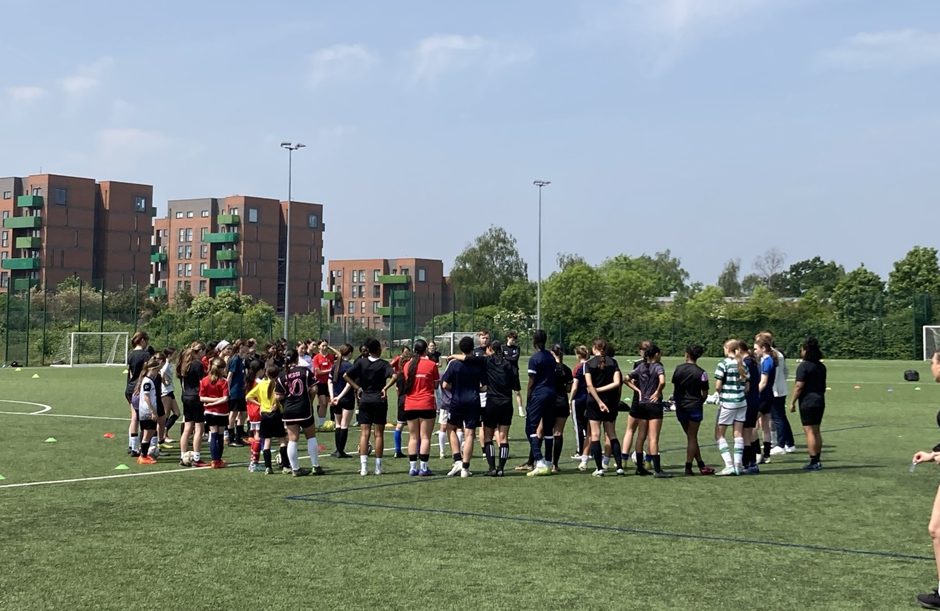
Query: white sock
[412,464]
[738,452]
[135,443]
[424,465]
[363,459]
[584,460]
[460,438]
[320,421]
[292,455]
[442,440]
[378,464]
[723,449]
[605,461]
[196,457]
[313,449]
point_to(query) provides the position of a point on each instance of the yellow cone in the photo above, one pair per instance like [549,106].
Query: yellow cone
[35,375]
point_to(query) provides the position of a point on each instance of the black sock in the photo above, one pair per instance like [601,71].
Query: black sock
[144,448]
[413,457]
[456,456]
[503,455]
[241,431]
[424,457]
[638,457]
[657,467]
[812,459]
[267,458]
[171,421]
[466,465]
[598,454]
[231,435]
[342,439]
[688,466]
[701,463]
[556,451]
[337,434]
[756,451]
[531,460]
[766,449]
[615,449]
[488,452]
[285,460]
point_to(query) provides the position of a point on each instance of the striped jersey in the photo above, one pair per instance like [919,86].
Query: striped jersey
[732,389]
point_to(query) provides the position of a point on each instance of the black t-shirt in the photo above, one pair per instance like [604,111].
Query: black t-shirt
[501,379]
[646,378]
[690,386]
[136,359]
[435,356]
[371,375]
[295,385]
[563,380]
[602,376]
[813,376]
[512,354]
[191,379]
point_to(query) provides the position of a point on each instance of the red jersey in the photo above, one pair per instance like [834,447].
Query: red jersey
[325,364]
[219,388]
[422,391]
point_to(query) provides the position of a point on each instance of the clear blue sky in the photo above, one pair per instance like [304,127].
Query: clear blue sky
[713,128]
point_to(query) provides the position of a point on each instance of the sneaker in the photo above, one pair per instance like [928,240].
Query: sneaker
[218,464]
[238,443]
[268,471]
[789,449]
[524,467]
[490,473]
[412,472]
[598,473]
[621,472]
[575,456]
[378,471]
[363,470]
[135,453]
[777,451]
[455,469]
[522,412]
[425,473]
[500,473]
[399,455]
[201,464]
[441,457]
[301,472]
[334,454]
[583,466]
[690,472]
[343,455]
[318,470]
[727,471]
[643,471]
[555,470]
[146,460]
[813,466]
[761,459]
[662,475]
[465,473]
[706,471]
[752,470]
[165,446]
[539,471]
[930,600]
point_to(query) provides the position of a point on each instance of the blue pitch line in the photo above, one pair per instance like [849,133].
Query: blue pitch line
[616,529]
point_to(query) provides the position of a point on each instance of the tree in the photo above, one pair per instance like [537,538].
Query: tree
[564,259]
[917,273]
[728,279]
[519,297]
[859,296]
[668,272]
[485,268]
[811,274]
[769,265]
[751,282]
[572,300]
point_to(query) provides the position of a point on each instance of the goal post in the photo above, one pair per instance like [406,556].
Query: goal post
[931,340]
[93,349]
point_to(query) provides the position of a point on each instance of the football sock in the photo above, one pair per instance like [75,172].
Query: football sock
[231,434]
[170,422]
[133,442]
[442,440]
[267,458]
[640,465]
[285,459]
[738,452]
[465,465]
[423,461]
[313,449]
[688,466]
[536,447]
[397,437]
[337,435]
[212,450]
[723,449]
[456,456]
[488,452]
[378,464]
[343,438]
[657,466]
[559,444]
[460,437]
[701,463]
[531,460]
[746,455]
[616,449]
[413,462]
[766,448]
[196,457]
[292,455]
[503,455]
[814,459]
[549,447]
[597,453]
[144,448]
[363,460]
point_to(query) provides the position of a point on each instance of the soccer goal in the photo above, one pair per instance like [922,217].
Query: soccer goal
[931,340]
[93,349]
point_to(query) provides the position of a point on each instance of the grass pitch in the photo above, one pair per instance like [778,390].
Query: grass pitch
[851,536]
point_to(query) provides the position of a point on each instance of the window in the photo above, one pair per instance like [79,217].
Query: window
[336,274]
[404,271]
[202,286]
[312,221]
[234,211]
[179,270]
[190,214]
[36,191]
[375,307]
[422,274]
[202,234]
[352,307]
[189,270]
[140,204]
[182,235]
[4,279]
[204,214]
[189,235]
[179,285]
[188,254]
[179,215]
[165,233]
[4,239]
[204,251]
[362,308]
[61,196]
[7,195]
[6,214]
[252,215]
[375,275]
[376,290]
[179,251]
[4,255]
[203,267]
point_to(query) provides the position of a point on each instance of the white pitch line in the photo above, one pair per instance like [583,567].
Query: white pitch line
[64,416]
[45,408]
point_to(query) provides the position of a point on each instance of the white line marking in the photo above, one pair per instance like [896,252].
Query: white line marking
[45,408]
[64,416]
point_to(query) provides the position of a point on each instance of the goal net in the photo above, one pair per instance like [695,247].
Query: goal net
[931,340]
[93,349]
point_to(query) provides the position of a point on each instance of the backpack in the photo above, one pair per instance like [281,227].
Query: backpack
[911,376]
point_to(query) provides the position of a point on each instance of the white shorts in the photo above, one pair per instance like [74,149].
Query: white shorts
[443,416]
[728,414]
[254,426]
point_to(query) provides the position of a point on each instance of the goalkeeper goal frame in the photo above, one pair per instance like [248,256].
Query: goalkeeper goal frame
[931,340]
[111,343]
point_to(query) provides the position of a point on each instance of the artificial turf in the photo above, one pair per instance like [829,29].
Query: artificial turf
[850,536]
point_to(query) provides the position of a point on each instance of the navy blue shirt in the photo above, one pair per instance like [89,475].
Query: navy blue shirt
[752,395]
[466,378]
[769,368]
[236,367]
[581,392]
[542,372]
[339,383]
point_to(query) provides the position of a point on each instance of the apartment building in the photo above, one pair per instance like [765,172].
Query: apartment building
[210,245]
[371,292]
[56,227]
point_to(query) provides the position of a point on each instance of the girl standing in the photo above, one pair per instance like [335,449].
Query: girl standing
[603,379]
[322,363]
[190,373]
[168,393]
[420,381]
[295,390]
[147,406]
[136,359]
[731,384]
[578,407]
[213,393]
[370,378]
[810,395]
[563,383]
[342,400]
[502,382]
[690,389]
[647,381]
[272,425]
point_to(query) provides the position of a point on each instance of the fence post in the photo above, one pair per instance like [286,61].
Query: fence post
[134,322]
[101,326]
[45,307]
[6,347]
[80,286]
[28,292]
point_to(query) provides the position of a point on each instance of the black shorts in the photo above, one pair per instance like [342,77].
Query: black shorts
[750,416]
[272,425]
[148,425]
[161,411]
[373,413]
[593,412]
[304,424]
[420,414]
[465,417]
[216,420]
[647,411]
[336,411]
[171,395]
[128,396]
[348,402]
[562,407]
[498,412]
[323,389]
[765,406]
[402,415]
[193,411]
[811,415]
[237,405]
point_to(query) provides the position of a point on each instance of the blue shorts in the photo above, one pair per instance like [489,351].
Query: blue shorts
[685,416]
[464,417]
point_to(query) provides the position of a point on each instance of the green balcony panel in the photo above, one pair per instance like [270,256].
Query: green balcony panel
[29,263]
[228,288]
[225,237]
[220,273]
[390,311]
[28,242]
[23,222]
[331,295]
[23,284]
[393,279]
[29,201]
[158,291]
[228,254]
[229,219]
[158,257]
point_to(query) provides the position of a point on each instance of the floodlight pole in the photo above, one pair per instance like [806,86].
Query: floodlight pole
[291,147]
[538,298]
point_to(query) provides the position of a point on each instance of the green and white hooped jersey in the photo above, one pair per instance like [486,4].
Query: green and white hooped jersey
[732,389]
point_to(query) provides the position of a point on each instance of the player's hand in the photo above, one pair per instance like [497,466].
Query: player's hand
[334,401]
[383,394]
[923,457]
[603,407]
[793,407]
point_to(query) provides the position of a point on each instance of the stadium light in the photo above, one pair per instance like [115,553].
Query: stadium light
[291,147]
[538,298]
